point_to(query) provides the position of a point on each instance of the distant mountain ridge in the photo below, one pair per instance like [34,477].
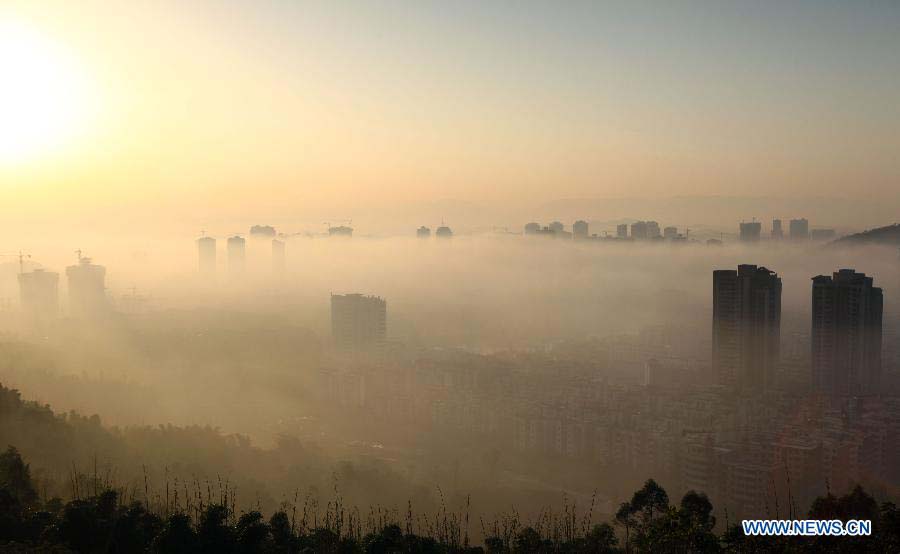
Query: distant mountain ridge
[889,235]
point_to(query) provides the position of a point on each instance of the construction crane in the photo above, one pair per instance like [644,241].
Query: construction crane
[22,257]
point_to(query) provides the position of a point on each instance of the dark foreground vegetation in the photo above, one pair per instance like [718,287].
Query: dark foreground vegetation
[88,512]
[105,521]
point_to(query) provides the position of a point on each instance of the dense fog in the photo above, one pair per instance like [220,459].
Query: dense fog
[244,353]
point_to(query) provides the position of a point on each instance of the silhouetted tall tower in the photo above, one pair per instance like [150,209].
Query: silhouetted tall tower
[358,322]
[87,289]
[622,230]
[279,261]
[580,229]
[206,255]
[39,294]
[750,231]
[799,229]
[777,231]
[237,254]
[746,326]
[639,230]
[846,333]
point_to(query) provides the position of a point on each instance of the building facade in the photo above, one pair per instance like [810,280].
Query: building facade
[846,333]
[746,326]
[206,255]
[750,231]
[87,289]
[237,254]
[799,229]
[39,294]
[358,323]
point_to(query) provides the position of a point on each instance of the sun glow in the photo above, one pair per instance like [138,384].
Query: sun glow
[43,95]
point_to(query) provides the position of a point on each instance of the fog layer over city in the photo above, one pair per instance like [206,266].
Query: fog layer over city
[250,351]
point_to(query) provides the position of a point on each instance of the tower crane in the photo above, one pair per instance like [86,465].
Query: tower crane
[22,257]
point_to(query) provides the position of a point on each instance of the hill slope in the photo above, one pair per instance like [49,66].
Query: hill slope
[889,236]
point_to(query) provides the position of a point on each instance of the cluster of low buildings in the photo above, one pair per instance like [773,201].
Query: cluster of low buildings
[639,230]
[798,229]
[754,454]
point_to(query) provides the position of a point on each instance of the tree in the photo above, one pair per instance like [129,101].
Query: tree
[252,533]
[283,539]
[213,532]
[650,501]
[15,478]
[529,540]
[177,537]
[601,539]
[697,522]
[625,518]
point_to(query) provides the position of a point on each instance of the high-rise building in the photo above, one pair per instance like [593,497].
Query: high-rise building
[237,254]
[340,231]
[750,231]
[639,230]
[39,294]
[580,229]
[653,230]
[278,256]
[622,230]
[746,326]
[846,333]
[263,231]
[777,231]
[557,227]
[358,322]
[532,228]
[670,233]
[423,232]
[206,255]
[87,289]
[799,229]
[443,232]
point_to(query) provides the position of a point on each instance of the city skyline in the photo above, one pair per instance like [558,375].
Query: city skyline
[470,276]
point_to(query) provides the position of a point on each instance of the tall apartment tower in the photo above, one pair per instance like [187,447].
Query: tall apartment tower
[750,231]
[580,229]
[39,294]
[622,230]
[777,231]
[358,322]
[87,289]
[846,333]
[237,254]
[639,230]
[746,326]
[279,260]
[799,229]
[206,255]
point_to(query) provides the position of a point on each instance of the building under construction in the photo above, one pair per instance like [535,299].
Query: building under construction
[87,289]
[39,294]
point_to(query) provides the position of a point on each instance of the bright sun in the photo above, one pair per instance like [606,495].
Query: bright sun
[42,95]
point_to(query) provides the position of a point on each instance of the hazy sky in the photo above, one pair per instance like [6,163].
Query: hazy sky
[208,109]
